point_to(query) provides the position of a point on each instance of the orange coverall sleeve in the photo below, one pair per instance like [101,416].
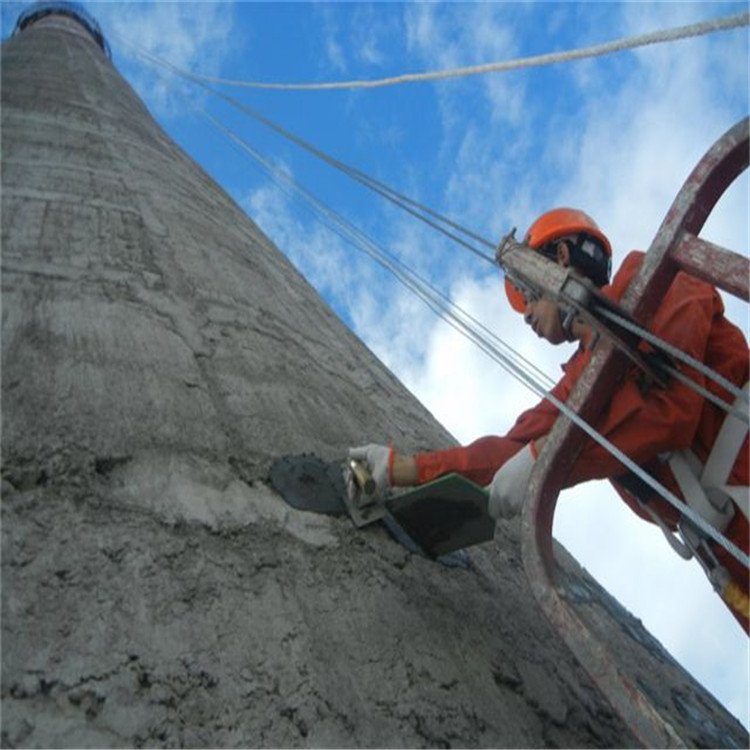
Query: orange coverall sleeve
[480,460]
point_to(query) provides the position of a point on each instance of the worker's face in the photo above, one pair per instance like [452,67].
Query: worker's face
[543,315]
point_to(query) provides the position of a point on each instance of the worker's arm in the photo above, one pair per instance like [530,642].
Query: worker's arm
[643,426]
[480,460]
[404,471]
[477,461]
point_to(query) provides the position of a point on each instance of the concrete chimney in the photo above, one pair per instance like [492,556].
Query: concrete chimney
[158,353]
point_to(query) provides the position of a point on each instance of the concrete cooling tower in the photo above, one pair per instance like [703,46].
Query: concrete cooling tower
[158,354]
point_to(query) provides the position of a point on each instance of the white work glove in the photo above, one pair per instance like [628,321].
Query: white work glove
[377,459]
[508,487]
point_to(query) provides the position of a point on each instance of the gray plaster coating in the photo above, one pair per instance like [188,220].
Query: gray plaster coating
[158,353]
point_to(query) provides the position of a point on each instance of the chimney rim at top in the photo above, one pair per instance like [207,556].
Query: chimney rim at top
[40,10]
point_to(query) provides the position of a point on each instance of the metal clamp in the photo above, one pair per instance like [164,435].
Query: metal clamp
[366,506]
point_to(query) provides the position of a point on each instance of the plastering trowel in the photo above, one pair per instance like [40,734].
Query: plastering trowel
[436,518]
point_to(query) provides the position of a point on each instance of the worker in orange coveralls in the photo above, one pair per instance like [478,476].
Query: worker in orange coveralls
[673,433]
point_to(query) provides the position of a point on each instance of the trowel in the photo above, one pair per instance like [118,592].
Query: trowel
[436,518]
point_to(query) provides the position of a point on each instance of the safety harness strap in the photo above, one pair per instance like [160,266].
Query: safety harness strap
[706,491]
[705,488]
[714,507]
[723,456]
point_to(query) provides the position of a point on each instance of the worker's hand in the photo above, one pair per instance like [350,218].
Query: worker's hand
[378,459]
[508,487]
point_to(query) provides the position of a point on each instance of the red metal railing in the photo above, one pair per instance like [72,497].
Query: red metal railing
[676,247]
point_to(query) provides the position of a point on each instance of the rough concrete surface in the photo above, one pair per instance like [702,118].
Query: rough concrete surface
[157,354]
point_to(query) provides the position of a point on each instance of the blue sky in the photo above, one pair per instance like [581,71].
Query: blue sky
[616,136]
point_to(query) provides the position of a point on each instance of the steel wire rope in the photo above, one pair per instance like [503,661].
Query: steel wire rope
[410,205]
[400,200]
[597,50]
[437,304]
[394,264]
[677,354]
[690,383]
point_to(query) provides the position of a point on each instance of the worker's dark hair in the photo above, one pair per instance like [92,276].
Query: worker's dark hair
[587,255]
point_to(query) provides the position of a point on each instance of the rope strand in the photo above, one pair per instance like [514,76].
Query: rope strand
[408,204]
[551,58]
[285,181]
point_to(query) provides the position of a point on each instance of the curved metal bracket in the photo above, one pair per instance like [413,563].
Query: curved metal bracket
[675,247]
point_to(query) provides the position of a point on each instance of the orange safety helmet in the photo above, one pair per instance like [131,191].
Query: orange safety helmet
[550,226]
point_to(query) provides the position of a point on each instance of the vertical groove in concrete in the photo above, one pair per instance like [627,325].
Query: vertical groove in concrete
[157,353]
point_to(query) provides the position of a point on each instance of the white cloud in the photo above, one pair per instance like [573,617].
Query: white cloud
[357,39]
[317,252]
[466,389]
[421,29]
[334,52]
[370,32]
[193,36]
[391,320]
[455,36]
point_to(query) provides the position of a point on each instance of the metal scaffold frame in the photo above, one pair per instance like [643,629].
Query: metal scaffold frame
[675,248]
